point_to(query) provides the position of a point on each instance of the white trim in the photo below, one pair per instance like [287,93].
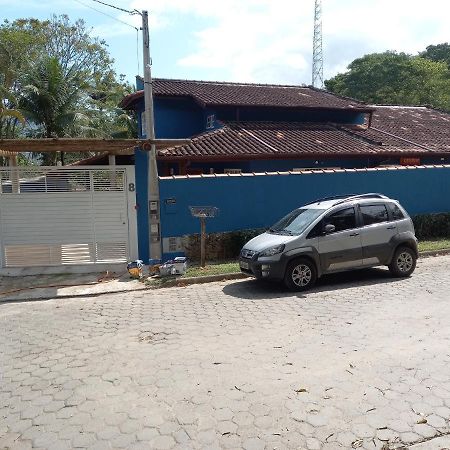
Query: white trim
[309,172]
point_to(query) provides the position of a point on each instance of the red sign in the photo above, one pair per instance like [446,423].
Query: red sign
[410,161]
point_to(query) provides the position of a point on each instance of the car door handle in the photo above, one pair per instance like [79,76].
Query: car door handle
[393,227]
[353,234]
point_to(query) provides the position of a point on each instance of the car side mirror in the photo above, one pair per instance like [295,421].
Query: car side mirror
[329,228]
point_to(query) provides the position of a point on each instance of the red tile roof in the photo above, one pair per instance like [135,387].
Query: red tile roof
[405,126]
[240,94]
[425,126]
[271,140]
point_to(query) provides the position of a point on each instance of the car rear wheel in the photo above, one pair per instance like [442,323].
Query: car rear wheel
[403,263]
[301,274]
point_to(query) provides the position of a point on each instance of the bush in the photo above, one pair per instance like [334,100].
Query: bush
[429,226]
[236,240]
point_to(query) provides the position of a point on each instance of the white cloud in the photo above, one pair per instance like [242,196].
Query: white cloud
[271,41]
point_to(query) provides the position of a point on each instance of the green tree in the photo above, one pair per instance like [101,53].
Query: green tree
[62,77]
[51,100]
[440,52]
[394,78]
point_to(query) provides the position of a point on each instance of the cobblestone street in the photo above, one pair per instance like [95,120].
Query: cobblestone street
[361,361]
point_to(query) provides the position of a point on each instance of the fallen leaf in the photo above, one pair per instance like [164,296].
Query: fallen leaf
[357,444]
[301,390]
[422,420]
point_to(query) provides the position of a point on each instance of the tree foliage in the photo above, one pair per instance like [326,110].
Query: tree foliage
[395,78]
[61,79]
[438,53]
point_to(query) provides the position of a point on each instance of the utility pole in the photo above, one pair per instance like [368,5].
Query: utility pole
[153,182]
[317,66]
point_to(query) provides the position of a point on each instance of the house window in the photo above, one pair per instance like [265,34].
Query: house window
[210,121]
[143,125]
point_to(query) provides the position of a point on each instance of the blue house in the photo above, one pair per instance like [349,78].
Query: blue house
[241,128]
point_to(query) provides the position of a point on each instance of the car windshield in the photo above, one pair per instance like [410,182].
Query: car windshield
[296,222]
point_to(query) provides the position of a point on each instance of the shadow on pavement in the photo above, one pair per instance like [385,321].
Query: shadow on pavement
[254,289]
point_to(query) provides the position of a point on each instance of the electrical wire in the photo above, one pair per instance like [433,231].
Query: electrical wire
[107,15]
[116,7]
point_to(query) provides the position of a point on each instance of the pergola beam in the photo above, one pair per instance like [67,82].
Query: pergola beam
[71,145]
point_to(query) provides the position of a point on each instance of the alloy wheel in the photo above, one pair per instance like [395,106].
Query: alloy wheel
[301,275]
[404,262]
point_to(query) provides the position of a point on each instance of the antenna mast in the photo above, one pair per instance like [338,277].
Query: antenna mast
[317,66]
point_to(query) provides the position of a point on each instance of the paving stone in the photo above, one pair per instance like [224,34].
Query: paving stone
[253,444]
[163,443]
[225,365]
[83,440]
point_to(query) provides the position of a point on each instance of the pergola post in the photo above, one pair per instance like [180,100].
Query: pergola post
[14,174]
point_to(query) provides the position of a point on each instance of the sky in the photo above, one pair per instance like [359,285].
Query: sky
[263,41]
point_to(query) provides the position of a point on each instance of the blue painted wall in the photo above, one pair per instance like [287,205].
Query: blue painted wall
[259,201]
[175,118]
[182,117]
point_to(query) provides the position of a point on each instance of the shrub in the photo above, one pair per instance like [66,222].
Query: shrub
[430,226]
[236,239]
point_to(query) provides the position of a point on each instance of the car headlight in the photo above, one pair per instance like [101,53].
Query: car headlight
[272,250]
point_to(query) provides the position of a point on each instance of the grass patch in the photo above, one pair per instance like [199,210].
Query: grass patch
[434,244]
[219,268]
[216,268]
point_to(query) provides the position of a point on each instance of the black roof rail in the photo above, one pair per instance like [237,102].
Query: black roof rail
[334,197]
[361,196]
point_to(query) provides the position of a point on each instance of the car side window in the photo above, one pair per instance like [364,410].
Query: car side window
[374,214]
[396,212]
[316,231]
[344,219]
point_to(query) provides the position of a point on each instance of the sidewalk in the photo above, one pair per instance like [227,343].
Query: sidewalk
[39,287]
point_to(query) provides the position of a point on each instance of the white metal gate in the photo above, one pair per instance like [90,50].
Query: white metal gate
[52,216]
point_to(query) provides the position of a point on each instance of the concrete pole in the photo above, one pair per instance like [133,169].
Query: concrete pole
[153,182]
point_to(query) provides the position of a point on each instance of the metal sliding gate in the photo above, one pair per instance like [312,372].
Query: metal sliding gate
[52,216]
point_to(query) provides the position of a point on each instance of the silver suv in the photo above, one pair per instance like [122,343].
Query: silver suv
[333,234]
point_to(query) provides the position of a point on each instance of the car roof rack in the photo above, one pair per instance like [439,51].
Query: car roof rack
[361,196]
[334,197]
[347,198]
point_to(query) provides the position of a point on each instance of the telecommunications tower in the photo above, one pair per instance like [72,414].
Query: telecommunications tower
[317,66]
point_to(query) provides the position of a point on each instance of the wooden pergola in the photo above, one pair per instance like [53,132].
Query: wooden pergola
[10,148]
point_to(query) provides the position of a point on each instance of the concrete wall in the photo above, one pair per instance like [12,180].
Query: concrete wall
[258,201]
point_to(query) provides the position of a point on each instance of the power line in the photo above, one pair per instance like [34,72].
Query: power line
[116,7]
[106,14]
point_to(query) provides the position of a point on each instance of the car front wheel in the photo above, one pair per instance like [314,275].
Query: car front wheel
[300,275]
[403,263]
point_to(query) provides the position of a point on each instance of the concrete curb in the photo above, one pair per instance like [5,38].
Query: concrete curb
[198,280]
[429,253]
[66,296]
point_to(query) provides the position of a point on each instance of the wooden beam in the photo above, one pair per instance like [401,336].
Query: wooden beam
[14,174]
[113,146]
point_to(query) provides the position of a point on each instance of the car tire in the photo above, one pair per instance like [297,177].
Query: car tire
[403,262]
[301,274]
